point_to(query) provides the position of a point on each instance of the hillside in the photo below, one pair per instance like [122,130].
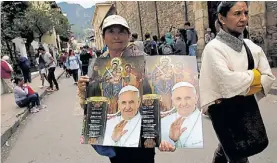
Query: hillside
[79,16]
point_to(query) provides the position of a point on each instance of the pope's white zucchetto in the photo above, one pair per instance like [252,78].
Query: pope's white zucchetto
[128,88]
[182,84]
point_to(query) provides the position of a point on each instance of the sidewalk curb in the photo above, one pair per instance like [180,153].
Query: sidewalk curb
[20,117]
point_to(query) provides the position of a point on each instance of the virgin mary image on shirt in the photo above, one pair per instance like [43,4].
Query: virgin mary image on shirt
[183,126]
[124,129]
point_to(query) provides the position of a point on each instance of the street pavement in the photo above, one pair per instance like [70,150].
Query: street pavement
[53,135]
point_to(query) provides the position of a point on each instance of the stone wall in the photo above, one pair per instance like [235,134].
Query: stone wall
[257,23]
[148,17]
[271,28]
[129,10]
[190,12]
[170,14]
[201,23]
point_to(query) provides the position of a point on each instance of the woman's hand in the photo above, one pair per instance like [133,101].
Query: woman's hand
[82,83]
[166,147]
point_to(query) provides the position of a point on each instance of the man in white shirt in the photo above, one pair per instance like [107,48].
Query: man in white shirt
[183,129]
[50,63]
[124,130]
[137,42]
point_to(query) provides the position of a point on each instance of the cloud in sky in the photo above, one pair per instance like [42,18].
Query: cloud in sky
[84,3]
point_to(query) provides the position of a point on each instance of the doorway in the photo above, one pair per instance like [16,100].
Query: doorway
[212,14]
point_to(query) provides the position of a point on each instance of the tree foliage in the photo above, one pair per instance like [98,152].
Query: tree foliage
[11,12]
[24,19]
[61,23]
[39,19]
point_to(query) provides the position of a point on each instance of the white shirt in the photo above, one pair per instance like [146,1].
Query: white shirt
[47,57]
[73,62]
[224,72]
[130,139]
[139,45]
[192,137]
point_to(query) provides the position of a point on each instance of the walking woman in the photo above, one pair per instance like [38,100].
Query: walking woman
[73,63]
[235,73]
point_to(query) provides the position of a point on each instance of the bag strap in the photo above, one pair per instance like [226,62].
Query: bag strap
[250,58]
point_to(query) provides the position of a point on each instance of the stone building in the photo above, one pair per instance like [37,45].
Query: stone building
[162,16]
[101,11]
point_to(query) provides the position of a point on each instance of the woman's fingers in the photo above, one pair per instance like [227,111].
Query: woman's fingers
[166,147]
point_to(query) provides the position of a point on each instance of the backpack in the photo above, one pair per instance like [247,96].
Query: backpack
[150,47]
[25,64]
[167,49]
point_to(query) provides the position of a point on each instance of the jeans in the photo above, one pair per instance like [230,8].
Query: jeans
[193,50]
[84,70]
[27,76]
[30,101]
[75,74]
[52,78]
[220,157]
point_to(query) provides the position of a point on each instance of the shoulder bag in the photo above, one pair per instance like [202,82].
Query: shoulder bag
[238,123]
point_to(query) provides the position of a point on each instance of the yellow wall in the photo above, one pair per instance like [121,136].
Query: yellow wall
[49,38]
[99,14]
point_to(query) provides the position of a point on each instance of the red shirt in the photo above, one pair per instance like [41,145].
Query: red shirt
[5,70]
[30,90]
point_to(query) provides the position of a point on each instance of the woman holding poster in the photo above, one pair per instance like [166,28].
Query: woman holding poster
[234,74]
[116,34]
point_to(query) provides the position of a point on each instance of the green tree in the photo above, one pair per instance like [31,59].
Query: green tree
[61,23]
[39,19]
[11,12]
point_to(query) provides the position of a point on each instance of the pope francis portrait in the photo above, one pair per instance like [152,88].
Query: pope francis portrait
[183,128]
[124,130]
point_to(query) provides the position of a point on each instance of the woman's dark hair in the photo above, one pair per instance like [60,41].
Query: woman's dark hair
[41,60]
[155,38]
[70,51]
[224,7]
[17,80]
[135,35]
[163,38]
[147,35]
[121,28]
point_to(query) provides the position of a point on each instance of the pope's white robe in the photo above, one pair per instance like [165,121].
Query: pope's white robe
[192,137]
[130,139]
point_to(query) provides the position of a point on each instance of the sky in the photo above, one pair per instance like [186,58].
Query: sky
[84,3]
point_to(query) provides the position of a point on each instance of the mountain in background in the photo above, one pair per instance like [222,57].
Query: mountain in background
[79,16]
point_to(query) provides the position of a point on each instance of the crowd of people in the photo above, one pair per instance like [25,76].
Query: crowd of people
[184,42]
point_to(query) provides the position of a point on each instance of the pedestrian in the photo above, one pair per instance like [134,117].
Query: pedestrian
[180,45]
[166,48]
[209,35]
[73,63]
[235,73]
[42,69]
[25,96]
[138,43]
[85,56]
[115,28]
[150,46]
[51,65]
[192,39]
[25,65]
[6,74]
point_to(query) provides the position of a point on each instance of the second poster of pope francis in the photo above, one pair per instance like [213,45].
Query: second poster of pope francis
[183,128]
